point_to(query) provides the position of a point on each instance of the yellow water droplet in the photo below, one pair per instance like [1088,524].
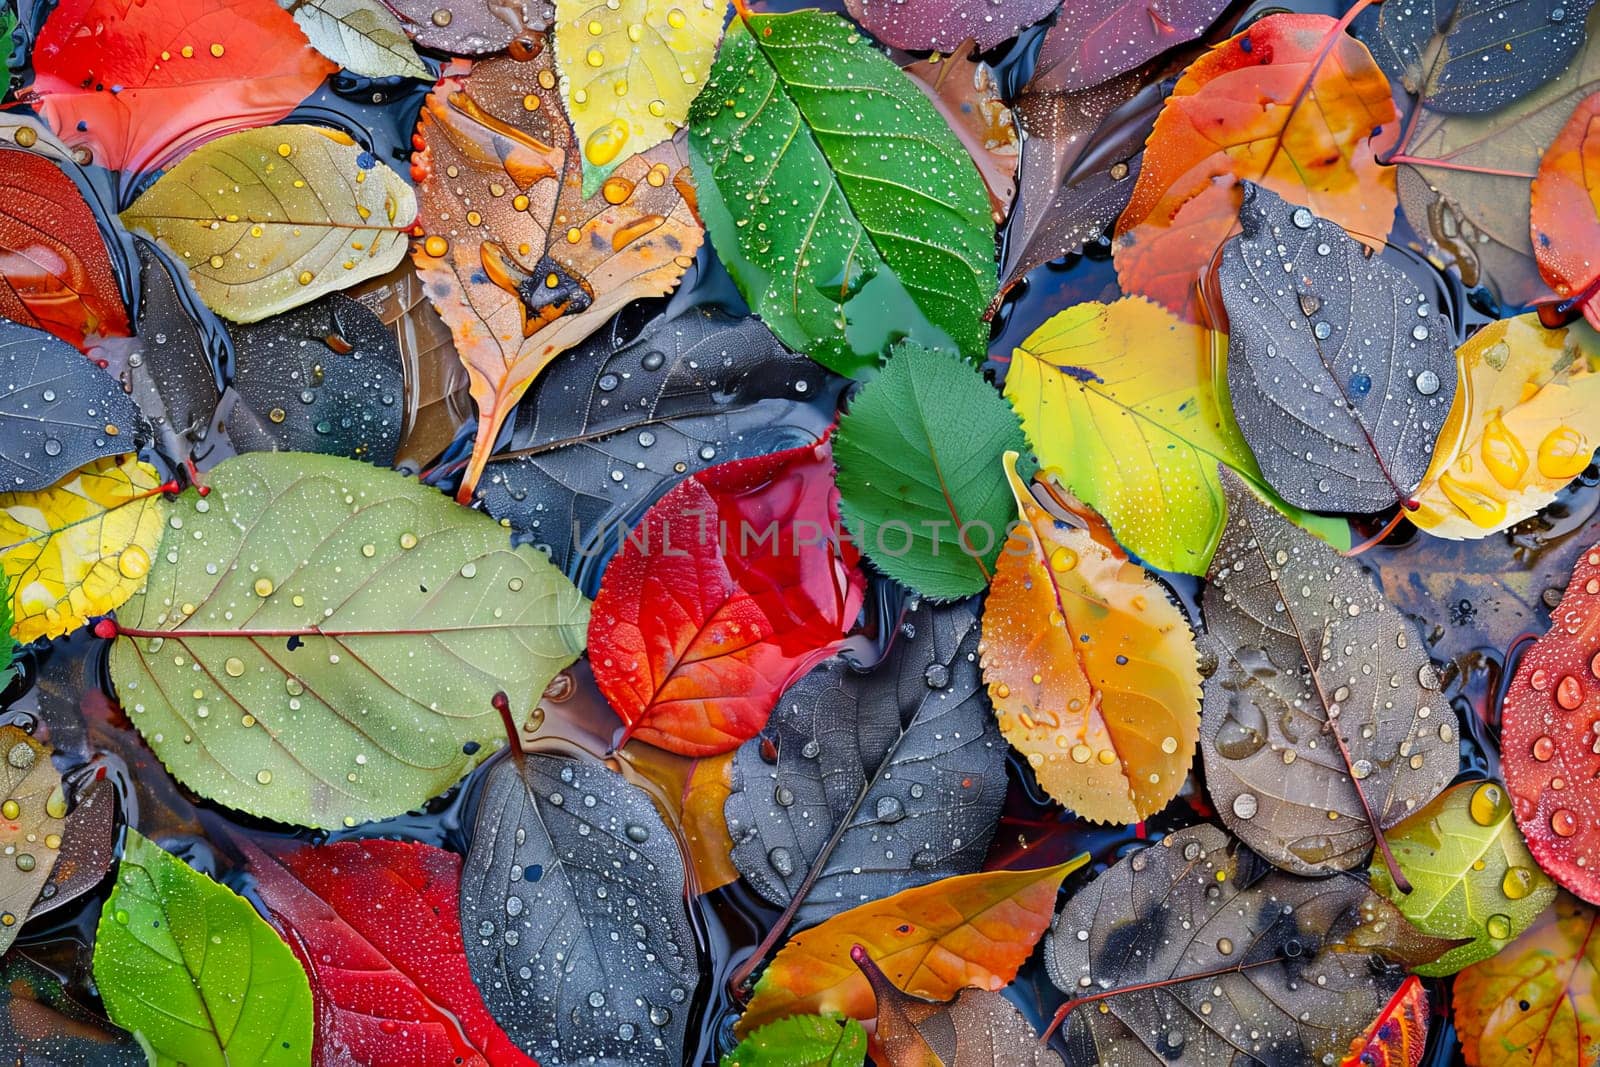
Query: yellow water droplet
[1063,559]
[52,840]
[595,29]
[1002,691]
[519,202]
[216,262]
[285,149]
[605,144]
[1499,926]
[547,79]
[1480,509]
[134,562]
[677,19]
[436,246]
[187,609]
[234,666]
[408,540]
[264,777]
[255,231]
[595,58]
[306,277]
[1081,753]
[1517,883]
[474,219]
[27,136]
[574,235]
[1488,804]
[247,721]
[1106,756]
[658,108]
[216,50]
[636,33]
[277,414]
[10,809]
[187,51]
[1169,745]
[298,601]
[616,189]
[530,102]
[1564,453]
[1503,454]
[55,805]
[369,550]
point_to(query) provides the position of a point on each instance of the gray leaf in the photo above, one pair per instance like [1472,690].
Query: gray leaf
[1341,373]
[881,781]
[573,916]
[55,410]
[1323,694]
[1235,964]
[606,429]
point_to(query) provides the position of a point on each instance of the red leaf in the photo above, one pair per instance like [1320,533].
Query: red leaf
[1398,1037]
[1565,215]
[733,585]
[376,927]
[1550,741]
[138,82]
[55,274]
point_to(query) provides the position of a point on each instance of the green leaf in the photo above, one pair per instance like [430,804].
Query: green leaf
[320,642]
[8,22]
[8,645]
[189,968]
[1471,875]
[802,1041]
[362,36]
[919,459]
[845,209]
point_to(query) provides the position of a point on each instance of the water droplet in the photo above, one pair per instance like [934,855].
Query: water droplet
[937,676]
[1245,806]
[1498,926]
[1569,693]
[1427,383]
[1322,331]
[1564,822]
[1517,883]
[781,861]
[597,999]
[1302,218]
[134,562]
[234,666]
[1488,804]
[1420,332]
[1539,679]
[890,809]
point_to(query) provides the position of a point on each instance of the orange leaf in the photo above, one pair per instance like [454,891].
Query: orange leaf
[1092,668]
[518,263]
[1565,220]
[138,82]
[932,941]
[1398,1037]
[690,793]
[1293,104]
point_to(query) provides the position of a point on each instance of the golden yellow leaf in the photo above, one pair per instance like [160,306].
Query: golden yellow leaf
[690,793]
[629,71]
[1525,422]
[1092,668]
[81,547]
[269,219]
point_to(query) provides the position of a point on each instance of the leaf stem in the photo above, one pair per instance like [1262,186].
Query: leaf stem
[1159,983]
[1468,168]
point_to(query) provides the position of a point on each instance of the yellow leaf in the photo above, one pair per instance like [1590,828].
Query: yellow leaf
[269,219]
[81,547]
[1525,422]
[690,793]
[932,941]
[1092,668]
[629,71]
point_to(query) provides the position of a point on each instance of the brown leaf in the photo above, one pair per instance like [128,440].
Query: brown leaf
[519,265]
[965,92]
[32,820]
[88,845]
[473,27]
[1093,41]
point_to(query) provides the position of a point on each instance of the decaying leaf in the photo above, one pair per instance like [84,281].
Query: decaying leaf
[43,1024]
[802,1041]
[690,793]
[518,262]
[32,820]
[865,783]
[87,848]
[573,914]
[1471,876]
[941,25]
[1091,666]
[267,220]
[54,271]
[1565,218]
[1398,1037]
[474,27]
[932,941]
[1193,948]
[352,630]
[979,1028]
[362,36]
[81,547]
[58,411]
[138,84]
[189,966]
[730,588]
[966,94]
[1093,41]
[629,71]
[1550,737]
[1281,104]
[1535,1004]
[1524,423]
[1340,372]
[1323,722]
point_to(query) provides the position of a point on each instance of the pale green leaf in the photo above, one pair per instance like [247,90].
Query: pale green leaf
[362,36]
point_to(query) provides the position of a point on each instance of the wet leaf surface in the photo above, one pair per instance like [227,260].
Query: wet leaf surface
[967,95]
[183,73]
[864,783]
[933,940]
[727,590]
[326,377]
[941,25]
[55,273]
[898,247]
[1341,372]
[267,220]
[1273,106]
[43,1024]
[1535,1003]
[1193,947]
[1471,875]
[336,611]
[1565,208]
[608,427]
[32,820]
[573,914]
[1323,720]
[362,36]
[1398,1036]
[1091,666]
[374,924]
[58,411]
[1092,42]
[472,27]
[81,547]
[916,454]
[87,848]
[189,966]
[802,1041]
[517,261]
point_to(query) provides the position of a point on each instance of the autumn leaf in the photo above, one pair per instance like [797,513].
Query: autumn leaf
[374,924]
[55,273]
[1290,103]
[932,941]
[87,847]
[267,220]
[966,93]
[690,794]
[941,25]
[138,84]
[1525,422]
[32,820]
[629,71]
[1565,217]
[474,27]
[81,547]
[362,36]
[518,262]
[1091,666]
[1093,41]
[1398,1037]
[45,1024]
[1550,738]
[1534,1004]
[730,587]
